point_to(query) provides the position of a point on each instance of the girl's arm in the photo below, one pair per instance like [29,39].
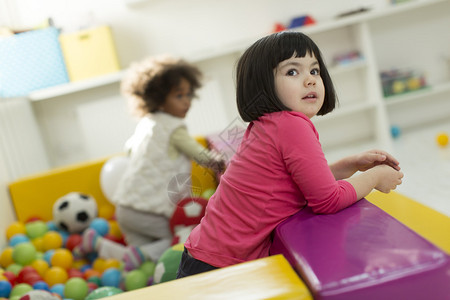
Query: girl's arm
[348,166]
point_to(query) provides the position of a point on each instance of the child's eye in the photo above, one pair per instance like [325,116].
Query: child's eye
[315,72]
[292,72]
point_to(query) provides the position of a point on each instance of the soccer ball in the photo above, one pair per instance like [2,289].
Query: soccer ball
[167,266]
[74,212]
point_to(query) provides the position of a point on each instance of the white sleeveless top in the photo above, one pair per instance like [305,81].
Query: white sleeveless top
[153,182]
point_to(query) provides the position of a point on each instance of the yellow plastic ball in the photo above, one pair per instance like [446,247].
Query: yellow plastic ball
[114,229]
[15,228]
[442,139]
[41,266]
[52,240]
[78,263]
[6,257]
[39,244]
[55,275]
[99,265]
[111,263]
[62,258]
[106,212]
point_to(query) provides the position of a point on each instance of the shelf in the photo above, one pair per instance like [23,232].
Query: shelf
[72,87]
[345,111]
[419,94]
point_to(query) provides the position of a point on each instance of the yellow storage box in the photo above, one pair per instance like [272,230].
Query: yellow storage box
[89,53]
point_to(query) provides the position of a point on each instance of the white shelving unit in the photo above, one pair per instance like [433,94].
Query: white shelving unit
[364,116]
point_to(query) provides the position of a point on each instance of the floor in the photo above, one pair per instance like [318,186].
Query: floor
[425,164]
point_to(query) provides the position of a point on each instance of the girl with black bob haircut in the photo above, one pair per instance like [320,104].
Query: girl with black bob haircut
[255,87]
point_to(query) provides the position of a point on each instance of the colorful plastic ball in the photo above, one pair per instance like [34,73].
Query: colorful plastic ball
[5,288]
[148,267]
[52,226]
[55,275]
[15,228]
[135,279]
[38,243]
[36,229]
[18,239]
[106,212]
[111,263]
[53,240]
[6,257]
[100,225]
[28,275]
[20,289]
[76,288]
[48,256]
[73,240]
[91,272]
[103,292]
[62,258]
[15,268]
[41,266]
[395,131]
[79,264]
[95,279]
[92,286]
[24,254]
[114,229]
[442,139]
[208,193]
[111,277]
[10,276]
[99,265]
[41,285]
[58,289]
[72,272]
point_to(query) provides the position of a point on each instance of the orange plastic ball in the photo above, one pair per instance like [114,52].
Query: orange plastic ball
[52,240]
[15,228]
[6,257]
[55,275]
[62,258]
[41,266]
[91,272]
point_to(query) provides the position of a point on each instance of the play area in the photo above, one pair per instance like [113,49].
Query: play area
[387,246]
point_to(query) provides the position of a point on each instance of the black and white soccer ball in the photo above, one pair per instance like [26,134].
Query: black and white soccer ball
[74,212]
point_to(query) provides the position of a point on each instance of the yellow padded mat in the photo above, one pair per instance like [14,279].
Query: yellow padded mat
[430,224]
[266,278]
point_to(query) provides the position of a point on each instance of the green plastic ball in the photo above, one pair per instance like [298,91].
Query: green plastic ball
[24,253]
[76,289]
[135,279]
[36,229]
[20,290]
[148,267]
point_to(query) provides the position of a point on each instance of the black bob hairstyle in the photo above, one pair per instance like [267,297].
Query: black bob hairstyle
[255,84]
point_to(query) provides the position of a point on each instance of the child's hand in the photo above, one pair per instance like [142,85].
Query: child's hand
[388,178]
[369,159]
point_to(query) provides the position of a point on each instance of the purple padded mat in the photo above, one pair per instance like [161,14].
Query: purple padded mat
[362,252]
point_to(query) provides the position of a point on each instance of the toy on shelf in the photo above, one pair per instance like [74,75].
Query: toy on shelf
[442,139]
[347,58]
[395,131]
[294,23]
[399,81]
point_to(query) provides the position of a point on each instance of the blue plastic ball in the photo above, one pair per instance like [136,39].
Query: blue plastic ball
[17,239]
[41,285]
[58,289]
[5,288]
[100,225]
[48,256]
[395,131]
[111,277]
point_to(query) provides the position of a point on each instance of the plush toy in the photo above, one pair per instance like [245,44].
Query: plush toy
[186,216]
[167,266]
[74,212]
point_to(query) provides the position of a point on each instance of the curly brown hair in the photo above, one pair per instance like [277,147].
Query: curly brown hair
[148,82]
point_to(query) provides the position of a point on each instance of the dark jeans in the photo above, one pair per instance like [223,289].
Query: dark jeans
[191,266]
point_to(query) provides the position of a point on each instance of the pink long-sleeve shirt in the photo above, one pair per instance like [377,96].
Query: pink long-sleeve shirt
[279,169]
